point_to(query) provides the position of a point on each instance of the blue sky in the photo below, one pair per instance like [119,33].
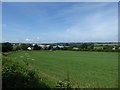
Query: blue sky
[60,22]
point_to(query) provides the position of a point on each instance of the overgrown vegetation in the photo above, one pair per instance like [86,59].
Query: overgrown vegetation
[16,75]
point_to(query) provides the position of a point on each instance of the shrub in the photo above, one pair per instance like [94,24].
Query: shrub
[6,47]
[15,75]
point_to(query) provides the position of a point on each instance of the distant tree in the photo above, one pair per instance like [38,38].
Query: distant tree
[91,47]
[6,47]
[0,47]
[45,48]
[16,48]
[84,46]
[57,48]
[50,47]
[36,47]
[66,44]
[108,47]
[25,46]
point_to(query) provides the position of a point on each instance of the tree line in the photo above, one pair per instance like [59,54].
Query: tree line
[66,46]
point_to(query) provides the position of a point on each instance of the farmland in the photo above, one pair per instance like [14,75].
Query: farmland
[84,69]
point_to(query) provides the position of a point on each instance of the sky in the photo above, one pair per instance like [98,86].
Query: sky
[39,22]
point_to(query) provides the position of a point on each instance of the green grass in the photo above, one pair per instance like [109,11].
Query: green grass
[86,69]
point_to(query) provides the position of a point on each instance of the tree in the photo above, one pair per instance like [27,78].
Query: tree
[36,47]
[66,44]
[91,47]
[16,48]
[6,47]
[84,46]
[50,47]
[25,46]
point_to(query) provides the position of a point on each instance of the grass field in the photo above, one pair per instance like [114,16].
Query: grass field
[85,69]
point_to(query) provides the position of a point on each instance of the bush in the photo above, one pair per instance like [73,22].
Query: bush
[15,48]
[6,47]
[15,75]
[36,47]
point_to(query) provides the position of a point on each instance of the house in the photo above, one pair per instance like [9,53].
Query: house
[47,46]
[119,48]
[113,48]
[54,46]
[67,46]
[42,46]
[33,44]
[75,48]
[30,48]
[60,46]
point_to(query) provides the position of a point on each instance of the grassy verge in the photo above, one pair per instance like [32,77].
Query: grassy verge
[17,75]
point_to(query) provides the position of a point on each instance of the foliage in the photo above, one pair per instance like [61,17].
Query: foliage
[66,46]
[6,47]
[50,47]
[84,46]
[16,48]
[24,46]
[36,47]
[15,75]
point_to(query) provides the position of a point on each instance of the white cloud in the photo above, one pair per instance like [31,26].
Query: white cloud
[100,26]
[28,39]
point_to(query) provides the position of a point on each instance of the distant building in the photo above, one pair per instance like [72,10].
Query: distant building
[33,44]
[16,44]
[42,46]
[113,48]
[54,46]
[60,46]
[47,46]
[30,48]
[75,48]
[119,48]
[67,46]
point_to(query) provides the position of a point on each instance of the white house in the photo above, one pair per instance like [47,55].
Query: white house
[74,48]
[47,46]
[113,48]
[33,44]
[42,46]
[30,48]
[54,46]
[67,46]
[60,46]
[119,48]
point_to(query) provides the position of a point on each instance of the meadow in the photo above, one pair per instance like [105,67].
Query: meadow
[81,69]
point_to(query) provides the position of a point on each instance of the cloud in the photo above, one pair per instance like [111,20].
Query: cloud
[66,22]
[96,26]
[28,39]
[95,31]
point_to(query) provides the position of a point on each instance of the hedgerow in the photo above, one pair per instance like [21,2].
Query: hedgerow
[16,75]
